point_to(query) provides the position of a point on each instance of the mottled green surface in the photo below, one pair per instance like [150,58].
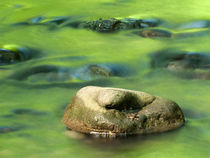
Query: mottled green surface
[44,136]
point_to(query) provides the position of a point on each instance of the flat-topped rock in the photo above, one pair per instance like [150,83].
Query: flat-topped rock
[120,111]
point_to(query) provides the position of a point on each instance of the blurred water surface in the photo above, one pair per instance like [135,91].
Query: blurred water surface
[37,131]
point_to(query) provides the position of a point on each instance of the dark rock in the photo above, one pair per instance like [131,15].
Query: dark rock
[112,25]
[154,33]
[180,60]
[7,129]
[118,111]
[100,25]
[8,57]
[10,54]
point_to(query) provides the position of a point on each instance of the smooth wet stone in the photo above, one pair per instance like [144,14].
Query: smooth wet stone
[112,25]
[112,110]
[180,60]
[10,54]
[154,33]
[95,71]
[196,24]
[7,129]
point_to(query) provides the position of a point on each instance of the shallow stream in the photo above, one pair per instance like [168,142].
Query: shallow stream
[31,107]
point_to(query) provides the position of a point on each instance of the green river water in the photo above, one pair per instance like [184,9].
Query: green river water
[41,134]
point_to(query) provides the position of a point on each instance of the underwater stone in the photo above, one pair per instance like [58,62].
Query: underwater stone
[121,111]
[154,33]
[8,57]
[188,65]
[92,71]
[7,129]
[49,73]
[180,60]
[52,73]
[95,71]
[10,54]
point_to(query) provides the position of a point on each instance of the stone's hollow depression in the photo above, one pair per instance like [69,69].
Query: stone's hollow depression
[120,111]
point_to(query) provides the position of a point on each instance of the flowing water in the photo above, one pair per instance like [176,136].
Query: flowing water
[37,130]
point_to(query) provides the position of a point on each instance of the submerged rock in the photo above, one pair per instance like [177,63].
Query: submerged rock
[180,60]
[188,65]
[107,25]
[8,57]
[7,129]
[47,73]
[154,33]
[95,71]
[112,110]
[51,73]
[10,54]
[112,25]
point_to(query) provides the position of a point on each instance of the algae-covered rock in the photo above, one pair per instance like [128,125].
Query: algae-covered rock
[112,25]
[100,25]
[120,111]
[10,54]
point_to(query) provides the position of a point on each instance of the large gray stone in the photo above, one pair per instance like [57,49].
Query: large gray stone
[121,111]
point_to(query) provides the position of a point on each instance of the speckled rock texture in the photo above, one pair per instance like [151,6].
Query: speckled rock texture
[114,110]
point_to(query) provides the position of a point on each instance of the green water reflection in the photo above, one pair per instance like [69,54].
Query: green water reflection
[44,135]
